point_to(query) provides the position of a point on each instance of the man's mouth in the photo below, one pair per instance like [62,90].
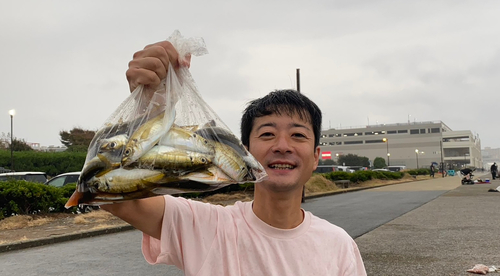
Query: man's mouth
[281,166]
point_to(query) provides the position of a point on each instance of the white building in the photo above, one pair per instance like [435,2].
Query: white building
[413,144]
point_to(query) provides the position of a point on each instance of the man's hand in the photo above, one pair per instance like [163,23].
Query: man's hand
[150,65]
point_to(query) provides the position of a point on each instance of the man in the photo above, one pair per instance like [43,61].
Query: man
[494,170]
[271,235]
[432,170]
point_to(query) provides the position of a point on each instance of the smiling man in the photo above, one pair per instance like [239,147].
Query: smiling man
[272,235]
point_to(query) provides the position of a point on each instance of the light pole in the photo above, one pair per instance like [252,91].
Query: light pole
[416,154]
[12,112]
[388,154]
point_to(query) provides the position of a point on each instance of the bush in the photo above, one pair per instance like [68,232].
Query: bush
[52,163]
[415,172]
[361,176]
[26,198]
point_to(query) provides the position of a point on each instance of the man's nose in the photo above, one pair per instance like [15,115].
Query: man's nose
[282,144]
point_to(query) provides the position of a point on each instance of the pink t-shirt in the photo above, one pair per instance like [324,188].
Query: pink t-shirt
[205,239]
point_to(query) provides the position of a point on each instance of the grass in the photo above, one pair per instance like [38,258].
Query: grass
[23,221]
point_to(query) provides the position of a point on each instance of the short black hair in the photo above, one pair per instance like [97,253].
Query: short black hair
[288,102]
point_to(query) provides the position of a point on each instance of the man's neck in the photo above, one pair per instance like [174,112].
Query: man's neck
[280,210]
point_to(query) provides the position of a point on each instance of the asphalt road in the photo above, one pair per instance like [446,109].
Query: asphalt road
[120,254]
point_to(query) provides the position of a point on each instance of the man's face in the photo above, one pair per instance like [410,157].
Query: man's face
[284,145]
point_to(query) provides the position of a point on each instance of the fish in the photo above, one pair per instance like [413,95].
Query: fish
[184,139]
[226,137]
[173,160]
[228,160]
[146,136]
[123,180]
[98,165]
[113,144]
[169,188]
[212,175]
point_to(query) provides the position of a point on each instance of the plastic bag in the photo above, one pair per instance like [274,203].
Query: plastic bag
[167,141]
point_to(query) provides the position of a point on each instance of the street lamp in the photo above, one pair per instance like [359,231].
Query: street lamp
[388,154]
[416,154]
[12,112]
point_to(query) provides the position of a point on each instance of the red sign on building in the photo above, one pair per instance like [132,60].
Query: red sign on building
[326,155]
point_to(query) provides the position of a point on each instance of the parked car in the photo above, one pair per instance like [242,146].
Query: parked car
[63,179]
[381,170]
[39,177]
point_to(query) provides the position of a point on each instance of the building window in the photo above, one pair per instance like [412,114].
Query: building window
[331,135]
[352,142]
[332,143]
[422,131]
[435,130]
[392,132]
[338,143]
[403,131]
[374,141]
[414,131]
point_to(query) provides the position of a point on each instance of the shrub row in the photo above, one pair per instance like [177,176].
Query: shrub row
[361,176]
[52,163]
[419,172]
[25,198]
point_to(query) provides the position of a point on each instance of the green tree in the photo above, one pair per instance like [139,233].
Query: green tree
[19,145]
[379,163]
[354,160]
[77,139]
[328,162]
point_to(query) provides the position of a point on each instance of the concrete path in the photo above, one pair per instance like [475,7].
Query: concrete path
[446,236]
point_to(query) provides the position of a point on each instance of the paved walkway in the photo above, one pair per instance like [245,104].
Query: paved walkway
[446,236]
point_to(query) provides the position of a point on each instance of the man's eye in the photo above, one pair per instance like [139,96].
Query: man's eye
[266,134]
[299,135]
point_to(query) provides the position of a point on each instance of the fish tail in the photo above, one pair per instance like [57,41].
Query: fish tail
[74,199]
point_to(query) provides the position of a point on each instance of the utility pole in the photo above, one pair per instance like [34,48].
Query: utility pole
[298,89]
[442,158]
[298,79]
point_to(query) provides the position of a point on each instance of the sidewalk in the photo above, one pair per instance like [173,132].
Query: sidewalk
[446,236]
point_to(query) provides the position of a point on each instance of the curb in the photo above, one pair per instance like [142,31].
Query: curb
[62,238]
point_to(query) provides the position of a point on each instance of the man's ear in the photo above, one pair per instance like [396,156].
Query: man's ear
[316,158]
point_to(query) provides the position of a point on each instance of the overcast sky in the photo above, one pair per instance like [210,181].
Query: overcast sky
[63,63]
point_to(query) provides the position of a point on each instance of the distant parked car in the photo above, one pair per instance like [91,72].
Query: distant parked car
[381,170]
[63,179]
[39,177]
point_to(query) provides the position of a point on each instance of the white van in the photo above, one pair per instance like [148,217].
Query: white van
[39,177]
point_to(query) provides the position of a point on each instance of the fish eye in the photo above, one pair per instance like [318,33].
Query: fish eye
[127,152]
[112,145]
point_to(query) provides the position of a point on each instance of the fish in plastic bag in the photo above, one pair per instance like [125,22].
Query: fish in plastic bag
[167,141]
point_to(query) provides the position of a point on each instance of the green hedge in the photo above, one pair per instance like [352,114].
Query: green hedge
[52,163]
[25,198]
[419,172]
[361,176]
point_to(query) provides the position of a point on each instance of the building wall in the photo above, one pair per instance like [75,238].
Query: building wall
[408,144]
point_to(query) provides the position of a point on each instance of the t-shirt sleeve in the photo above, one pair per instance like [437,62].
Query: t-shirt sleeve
[356,267]
[188,229]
